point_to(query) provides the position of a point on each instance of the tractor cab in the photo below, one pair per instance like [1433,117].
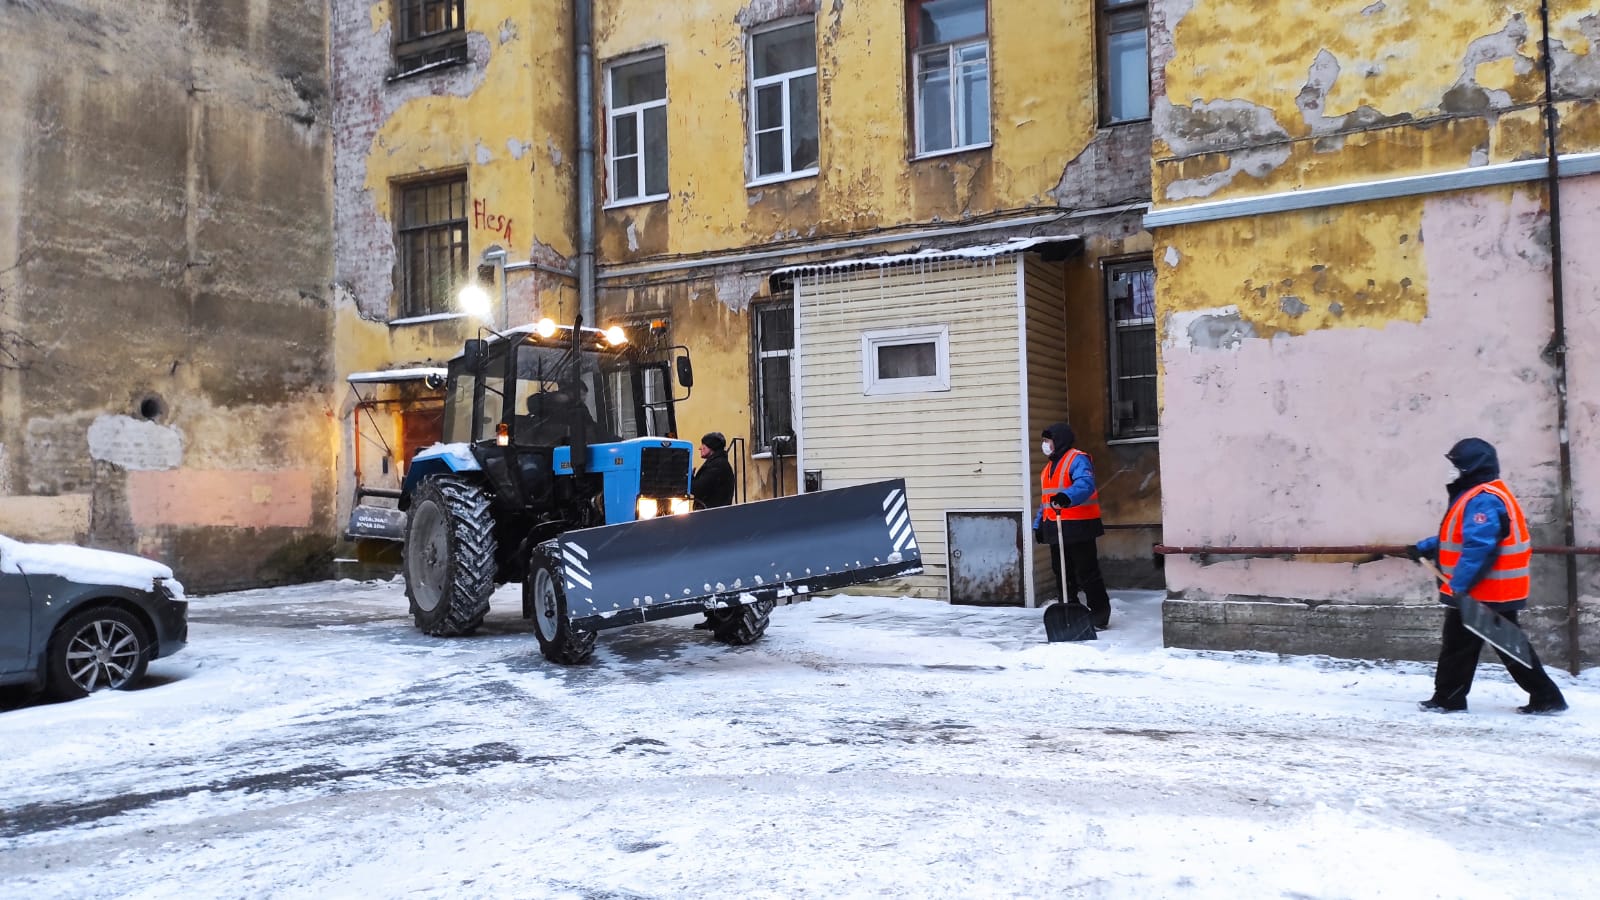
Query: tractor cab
[557,428]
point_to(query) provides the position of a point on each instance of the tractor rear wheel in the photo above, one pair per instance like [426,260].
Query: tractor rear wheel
[743,624]
[544,599]
[449,556]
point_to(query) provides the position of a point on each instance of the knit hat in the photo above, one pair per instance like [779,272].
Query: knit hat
[715,441]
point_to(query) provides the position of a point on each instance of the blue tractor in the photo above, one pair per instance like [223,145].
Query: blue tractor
[560,468]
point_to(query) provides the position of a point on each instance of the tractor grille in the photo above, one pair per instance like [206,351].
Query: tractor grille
[663,472]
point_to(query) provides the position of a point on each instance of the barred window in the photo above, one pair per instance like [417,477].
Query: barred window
[774,351]
[1131,303]
[428,32]
[432,242]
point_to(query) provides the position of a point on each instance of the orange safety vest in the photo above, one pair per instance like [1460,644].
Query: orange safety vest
[1507,576]
[1058,480]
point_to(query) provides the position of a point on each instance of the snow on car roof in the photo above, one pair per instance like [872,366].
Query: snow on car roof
[84,565]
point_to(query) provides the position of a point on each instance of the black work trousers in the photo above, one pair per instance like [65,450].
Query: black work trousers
[1458,662]
[1083,573]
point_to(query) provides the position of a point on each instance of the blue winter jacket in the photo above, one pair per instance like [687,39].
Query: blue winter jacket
[1484,523]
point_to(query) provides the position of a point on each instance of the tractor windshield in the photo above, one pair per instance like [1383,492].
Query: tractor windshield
[556,390]
[618,396]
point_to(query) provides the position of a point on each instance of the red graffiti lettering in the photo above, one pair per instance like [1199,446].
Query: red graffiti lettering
[482,218]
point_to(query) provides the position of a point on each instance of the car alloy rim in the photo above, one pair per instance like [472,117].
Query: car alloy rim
[102,655]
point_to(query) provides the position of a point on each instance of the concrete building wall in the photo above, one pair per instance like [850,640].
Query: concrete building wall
[164,272]
[1317,361]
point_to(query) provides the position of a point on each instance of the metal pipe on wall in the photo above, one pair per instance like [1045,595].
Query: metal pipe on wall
[1556,352]
[1380,549]
[583,68]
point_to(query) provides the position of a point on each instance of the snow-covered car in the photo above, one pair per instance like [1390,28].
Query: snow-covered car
[74,621]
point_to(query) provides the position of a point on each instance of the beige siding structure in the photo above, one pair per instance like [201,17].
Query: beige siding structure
[962,441]
[1045,358]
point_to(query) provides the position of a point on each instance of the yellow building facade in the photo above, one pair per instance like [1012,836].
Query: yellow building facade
[741,146]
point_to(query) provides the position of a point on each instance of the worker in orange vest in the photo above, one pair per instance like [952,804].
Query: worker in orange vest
[1484,550]
[1067,493]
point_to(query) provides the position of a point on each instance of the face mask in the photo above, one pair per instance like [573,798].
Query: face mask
[1452,474]
[1047,448]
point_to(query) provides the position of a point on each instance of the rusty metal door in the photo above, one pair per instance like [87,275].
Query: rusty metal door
[985,558]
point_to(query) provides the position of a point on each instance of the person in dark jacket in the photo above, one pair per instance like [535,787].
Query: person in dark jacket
[1483,548]
[712,485]
[1068,494]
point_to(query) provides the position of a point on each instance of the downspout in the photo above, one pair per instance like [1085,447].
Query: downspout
[583,68]
[1556,352]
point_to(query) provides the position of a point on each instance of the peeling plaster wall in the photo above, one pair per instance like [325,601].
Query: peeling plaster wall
[164,271]
[1314,364]
[1375,90]
[1044,118]
[504,118]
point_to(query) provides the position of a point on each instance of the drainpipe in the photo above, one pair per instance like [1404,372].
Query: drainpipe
[583,67]
[1556,352]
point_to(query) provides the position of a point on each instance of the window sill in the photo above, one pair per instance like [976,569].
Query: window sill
[953,151]
[1121,122]
[635,201]
[424,320]
[426,69]
[765,180]
[1144,439]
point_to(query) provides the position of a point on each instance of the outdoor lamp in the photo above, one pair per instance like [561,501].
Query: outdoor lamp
[474,301]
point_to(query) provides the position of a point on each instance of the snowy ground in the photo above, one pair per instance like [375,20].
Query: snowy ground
[309,743]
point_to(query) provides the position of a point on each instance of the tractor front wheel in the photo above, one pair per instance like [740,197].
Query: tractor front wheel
[449,556]
[743,624]
[544,599]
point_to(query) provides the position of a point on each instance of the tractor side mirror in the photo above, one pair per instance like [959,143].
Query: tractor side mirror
[475,353]
[685,372]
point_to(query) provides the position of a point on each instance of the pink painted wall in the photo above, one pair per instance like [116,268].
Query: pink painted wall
[1336,436]
[199,498]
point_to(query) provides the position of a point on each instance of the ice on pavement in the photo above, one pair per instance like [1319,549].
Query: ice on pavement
[310,743]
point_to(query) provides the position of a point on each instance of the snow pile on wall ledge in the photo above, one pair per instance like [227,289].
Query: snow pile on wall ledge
[84,566]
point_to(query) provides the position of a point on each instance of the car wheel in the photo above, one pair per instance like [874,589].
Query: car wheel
[94,650]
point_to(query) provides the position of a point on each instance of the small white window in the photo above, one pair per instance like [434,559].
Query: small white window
[636,130]
[906,360]
[783,102]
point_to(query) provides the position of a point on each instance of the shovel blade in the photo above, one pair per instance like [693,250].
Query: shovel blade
[1068,622]
[1501,633]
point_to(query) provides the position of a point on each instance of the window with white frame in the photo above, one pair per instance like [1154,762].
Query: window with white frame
[783,101]
[1125,61]
[636,131]
[1131,304]
[950,73]
[773,341]
[906,360]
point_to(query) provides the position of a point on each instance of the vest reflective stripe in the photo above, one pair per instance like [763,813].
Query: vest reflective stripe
[1507,576]
[1052,483]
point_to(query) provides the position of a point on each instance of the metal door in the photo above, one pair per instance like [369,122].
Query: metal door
[986,559]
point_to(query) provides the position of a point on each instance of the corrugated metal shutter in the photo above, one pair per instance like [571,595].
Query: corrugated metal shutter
[957,449]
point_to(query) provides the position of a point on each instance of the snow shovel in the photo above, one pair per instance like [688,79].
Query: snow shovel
[1067,620]
[1500,632]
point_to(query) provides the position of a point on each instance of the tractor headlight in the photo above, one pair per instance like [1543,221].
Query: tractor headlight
[647,508]
[681,505]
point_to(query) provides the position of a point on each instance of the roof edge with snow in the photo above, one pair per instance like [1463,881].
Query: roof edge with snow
[976,252]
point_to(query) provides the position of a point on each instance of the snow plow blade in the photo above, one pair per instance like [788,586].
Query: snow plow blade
[779,550]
